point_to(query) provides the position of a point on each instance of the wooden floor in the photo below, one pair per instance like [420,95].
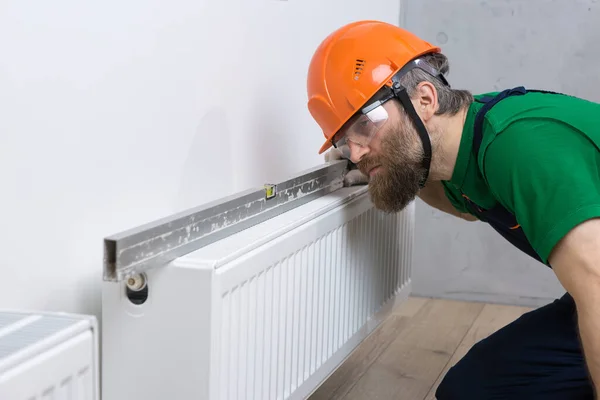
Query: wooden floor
[410,352]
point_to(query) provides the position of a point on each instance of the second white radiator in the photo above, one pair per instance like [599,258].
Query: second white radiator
[267,313]
[48,356]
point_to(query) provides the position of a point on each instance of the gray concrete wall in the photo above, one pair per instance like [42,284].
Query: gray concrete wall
[492,45]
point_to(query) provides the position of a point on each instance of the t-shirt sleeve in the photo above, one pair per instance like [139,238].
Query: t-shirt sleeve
[548,175]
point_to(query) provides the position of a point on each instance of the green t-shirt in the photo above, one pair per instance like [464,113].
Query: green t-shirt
[539,158]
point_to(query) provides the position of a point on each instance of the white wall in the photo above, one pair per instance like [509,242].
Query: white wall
[493,45]
[117,113]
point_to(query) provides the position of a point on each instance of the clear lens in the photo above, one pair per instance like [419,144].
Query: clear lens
[361,129]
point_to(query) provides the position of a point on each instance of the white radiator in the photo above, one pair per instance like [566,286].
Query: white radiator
[267,313]
[48,356]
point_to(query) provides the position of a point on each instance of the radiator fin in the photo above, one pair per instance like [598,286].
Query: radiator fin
[281,325]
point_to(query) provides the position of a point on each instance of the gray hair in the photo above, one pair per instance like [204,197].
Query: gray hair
[451,101]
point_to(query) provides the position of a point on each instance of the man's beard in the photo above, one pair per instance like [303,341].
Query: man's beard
[397,181]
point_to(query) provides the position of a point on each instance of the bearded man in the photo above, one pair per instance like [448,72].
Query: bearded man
[526,162]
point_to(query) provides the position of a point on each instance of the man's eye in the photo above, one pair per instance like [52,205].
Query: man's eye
[363,127]
[362,123]
[355,142]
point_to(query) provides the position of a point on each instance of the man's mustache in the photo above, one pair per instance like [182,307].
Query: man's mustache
[366,164]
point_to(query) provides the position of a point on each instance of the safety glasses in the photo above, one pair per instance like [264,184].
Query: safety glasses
[362,127]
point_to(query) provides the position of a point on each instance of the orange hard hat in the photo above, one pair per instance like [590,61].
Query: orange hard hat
[351,65]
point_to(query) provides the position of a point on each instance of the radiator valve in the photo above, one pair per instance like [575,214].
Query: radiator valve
[137,282]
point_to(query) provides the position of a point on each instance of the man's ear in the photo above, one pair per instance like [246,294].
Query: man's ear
[425,100]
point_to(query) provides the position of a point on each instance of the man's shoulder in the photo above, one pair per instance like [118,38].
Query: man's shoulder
[546,172]
[538,143]
[538,152]
[538,125]
[540,159]
[532,107]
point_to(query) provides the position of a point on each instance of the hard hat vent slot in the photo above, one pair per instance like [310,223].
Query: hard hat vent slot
[358,68]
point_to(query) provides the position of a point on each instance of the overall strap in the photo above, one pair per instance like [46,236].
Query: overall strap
[489,103]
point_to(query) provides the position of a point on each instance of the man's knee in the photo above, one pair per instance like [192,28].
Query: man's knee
[454,386]
[463,381]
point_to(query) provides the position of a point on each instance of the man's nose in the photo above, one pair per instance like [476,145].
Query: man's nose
[357,152]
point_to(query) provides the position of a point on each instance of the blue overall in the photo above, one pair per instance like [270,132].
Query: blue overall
[539,355]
